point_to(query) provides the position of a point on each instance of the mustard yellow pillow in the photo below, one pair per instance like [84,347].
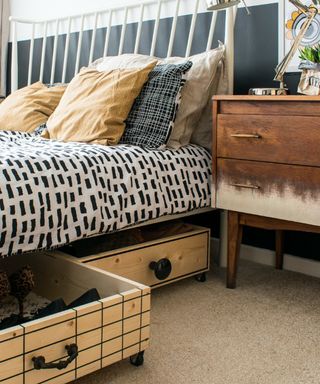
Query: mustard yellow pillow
[26,109]
[96,104]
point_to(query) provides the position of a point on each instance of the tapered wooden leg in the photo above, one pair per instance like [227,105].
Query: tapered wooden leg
[234,242]
[279,249]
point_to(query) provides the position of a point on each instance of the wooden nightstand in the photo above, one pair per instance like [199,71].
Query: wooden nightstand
[266,166]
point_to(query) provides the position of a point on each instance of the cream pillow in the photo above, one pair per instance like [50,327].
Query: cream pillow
[26,109]
[202,135]
[125,61]
[96,104]
[195,93]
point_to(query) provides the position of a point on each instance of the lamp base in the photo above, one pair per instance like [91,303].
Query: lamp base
[268,91]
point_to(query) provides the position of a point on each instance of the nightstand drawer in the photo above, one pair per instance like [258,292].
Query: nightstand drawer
[283,139]
[274,190]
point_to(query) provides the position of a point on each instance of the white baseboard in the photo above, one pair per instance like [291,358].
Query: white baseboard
[267,257]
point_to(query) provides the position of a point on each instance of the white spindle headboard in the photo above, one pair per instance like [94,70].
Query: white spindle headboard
[141,11]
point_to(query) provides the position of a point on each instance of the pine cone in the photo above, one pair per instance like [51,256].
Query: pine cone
[22,283]
[4,284]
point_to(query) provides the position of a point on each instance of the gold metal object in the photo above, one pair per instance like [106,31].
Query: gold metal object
[310,13]
[268,91]
[248,186]
[219,5]
[246,135]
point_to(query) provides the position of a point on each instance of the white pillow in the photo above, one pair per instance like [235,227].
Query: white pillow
[125,61]
[196,93]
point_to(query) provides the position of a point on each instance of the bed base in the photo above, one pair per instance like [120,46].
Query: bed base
[178,216]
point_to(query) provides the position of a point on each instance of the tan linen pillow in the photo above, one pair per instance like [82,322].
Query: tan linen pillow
[124,61]
[195,94]
[96,104]
[202,134]
[26,109]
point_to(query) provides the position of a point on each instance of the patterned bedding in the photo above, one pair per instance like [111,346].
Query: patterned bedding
[53,193]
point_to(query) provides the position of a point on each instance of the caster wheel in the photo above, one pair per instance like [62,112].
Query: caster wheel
[202,278]
[138,359]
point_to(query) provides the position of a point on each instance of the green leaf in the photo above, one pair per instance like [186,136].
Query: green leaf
[310,53]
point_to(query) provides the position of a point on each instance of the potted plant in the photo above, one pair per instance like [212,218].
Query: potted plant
[310,66]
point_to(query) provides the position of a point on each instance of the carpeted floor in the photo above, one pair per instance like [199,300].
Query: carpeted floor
[265,331]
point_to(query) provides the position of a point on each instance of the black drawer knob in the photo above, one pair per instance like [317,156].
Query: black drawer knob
[161,268]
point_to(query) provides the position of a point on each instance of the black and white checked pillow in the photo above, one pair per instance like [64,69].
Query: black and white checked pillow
[38,131]
[152,116]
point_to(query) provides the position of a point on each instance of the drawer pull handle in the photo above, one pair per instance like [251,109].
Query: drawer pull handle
[248,186]
[246,135]
[161,268]
[39,362]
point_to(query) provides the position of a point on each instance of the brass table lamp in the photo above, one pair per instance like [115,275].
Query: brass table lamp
[310,13]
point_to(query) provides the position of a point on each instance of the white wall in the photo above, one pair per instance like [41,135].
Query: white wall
[45,9]
[50,9]
[42,9]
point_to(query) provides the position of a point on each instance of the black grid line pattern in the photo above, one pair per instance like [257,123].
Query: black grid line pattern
[152,116]
[53,193]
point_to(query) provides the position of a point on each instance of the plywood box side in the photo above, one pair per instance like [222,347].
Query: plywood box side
[195,231]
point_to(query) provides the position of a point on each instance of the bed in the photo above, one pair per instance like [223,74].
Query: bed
[54,193]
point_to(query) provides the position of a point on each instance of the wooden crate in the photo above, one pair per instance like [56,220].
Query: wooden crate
[188,254]
[105,331]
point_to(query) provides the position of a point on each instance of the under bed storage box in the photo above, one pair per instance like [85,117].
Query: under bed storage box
[160,253]
[104,331]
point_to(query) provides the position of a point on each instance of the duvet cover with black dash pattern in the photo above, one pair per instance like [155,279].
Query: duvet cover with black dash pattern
[53,193]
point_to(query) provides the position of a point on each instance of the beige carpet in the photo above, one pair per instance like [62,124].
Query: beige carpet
[265,331]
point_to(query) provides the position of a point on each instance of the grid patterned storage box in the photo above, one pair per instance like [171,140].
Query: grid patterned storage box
[104,331]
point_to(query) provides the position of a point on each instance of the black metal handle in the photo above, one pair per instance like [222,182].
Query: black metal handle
[161,268]
[39,362]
